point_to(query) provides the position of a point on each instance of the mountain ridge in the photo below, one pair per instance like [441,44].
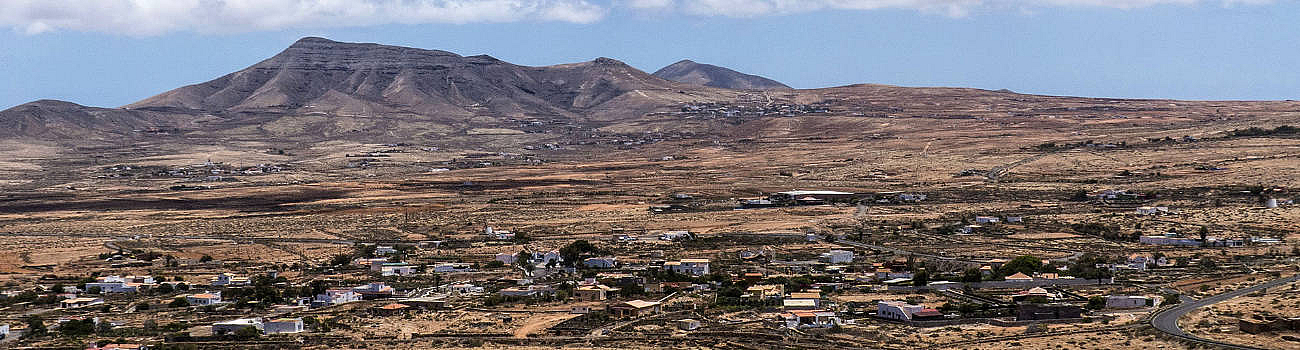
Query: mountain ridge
[691,72]
[321,75]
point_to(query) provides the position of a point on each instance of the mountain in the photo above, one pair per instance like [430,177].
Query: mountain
[61,120]
[687,71]
[320,75]
[318,90]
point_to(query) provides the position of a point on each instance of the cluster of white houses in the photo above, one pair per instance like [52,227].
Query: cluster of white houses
[1171,239]
[268,327]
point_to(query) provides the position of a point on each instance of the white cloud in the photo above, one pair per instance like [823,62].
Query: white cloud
[152,17]
[649,4]
[955,8]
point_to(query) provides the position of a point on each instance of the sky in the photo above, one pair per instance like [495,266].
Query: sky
[109,53]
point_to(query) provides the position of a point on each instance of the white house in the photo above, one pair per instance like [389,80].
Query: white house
[597,292]
[508,258]
[694,267]
[688,324]
[837,256]
[527,292]
[226,279]
[1265,240]
[118,284]
[283,326]
[337,296]
[385,250]
[601,263]
[911,197]
[800,304]
[202,299]
[464,288]
[452,267]
[4,331]
[501,235]
[74,303]
[232,326]
[396,269]
[1126,301]
[675,235]
[810,319]
[1169,239]
[897,310]
[987,220]
[546,258]
[374,289]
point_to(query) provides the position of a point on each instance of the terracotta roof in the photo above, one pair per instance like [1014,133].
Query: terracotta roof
[928,313]
[804,313]
[1019,276]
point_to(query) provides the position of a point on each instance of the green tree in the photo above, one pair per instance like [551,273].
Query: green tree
[179,302]
[1026,264]
[1170,299]
[573,252]
[247,333]
[77,327]
[365,251]
[1097,302]
[972,275]
[1086,267]
[341,260]
[35,327]
[920,278]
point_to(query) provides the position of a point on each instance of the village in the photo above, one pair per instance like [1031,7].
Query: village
[951,281]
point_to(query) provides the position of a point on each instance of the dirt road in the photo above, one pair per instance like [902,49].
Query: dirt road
[541,323]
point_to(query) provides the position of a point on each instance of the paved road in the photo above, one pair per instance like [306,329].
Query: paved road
[1167,321]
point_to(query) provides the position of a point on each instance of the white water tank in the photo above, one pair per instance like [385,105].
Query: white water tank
[1270,203]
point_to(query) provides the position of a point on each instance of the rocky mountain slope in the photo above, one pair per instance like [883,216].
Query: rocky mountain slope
[320,75]
[687,71]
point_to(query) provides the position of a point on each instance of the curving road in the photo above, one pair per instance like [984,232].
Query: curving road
[1167,321]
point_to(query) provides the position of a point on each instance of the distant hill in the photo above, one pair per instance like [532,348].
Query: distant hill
[687,71]
[60,120]
[320,75]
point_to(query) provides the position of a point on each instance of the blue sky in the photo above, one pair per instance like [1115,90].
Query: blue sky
[1183,49]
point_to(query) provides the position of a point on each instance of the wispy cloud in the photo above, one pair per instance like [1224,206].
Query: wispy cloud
[151,17]
[955,8]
